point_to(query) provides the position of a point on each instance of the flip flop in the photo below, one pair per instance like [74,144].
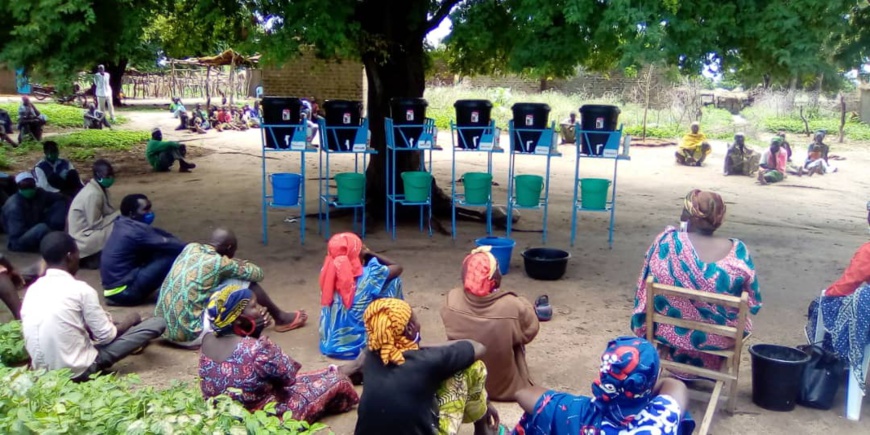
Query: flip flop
[543,309]
[296,323]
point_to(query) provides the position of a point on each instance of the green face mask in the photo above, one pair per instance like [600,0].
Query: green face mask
[106,182]
[51,157]
[27,193]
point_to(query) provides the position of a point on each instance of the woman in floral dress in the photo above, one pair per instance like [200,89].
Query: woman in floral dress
[696,259]
[254,371]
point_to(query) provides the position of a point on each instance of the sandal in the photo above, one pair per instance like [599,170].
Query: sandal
[543,309]
[298,322]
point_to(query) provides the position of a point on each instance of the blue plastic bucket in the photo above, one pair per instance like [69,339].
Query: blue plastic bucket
[502,248]
[285,189]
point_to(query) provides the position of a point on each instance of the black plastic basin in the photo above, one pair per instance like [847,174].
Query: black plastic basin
[545,263]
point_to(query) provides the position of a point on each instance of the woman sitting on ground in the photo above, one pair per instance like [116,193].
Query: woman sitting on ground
[504,322]
[414,390]
[628,398]
[694,148]
[698,260]
[844,308]
[254,371]
[351,278]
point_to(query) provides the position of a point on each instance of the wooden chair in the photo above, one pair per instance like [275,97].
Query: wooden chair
[731,366]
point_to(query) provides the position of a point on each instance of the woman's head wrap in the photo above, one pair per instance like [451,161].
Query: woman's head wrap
[226,305]
[341,267]
[706,207]
[478,272]
[628,374]
[386,320]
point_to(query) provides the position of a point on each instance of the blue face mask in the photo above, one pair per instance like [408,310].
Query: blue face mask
[148,218]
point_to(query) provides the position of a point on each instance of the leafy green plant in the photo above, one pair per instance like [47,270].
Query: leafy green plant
[107,139]
[34,402]
[59,115]
[12,351]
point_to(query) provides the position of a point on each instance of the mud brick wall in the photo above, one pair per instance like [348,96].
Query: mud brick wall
[308,76]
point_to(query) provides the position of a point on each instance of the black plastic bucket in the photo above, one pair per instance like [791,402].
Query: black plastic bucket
[342,113]
[281,111]
[472,113]
[529,116]
[408,111]
[596,117]
[776,375]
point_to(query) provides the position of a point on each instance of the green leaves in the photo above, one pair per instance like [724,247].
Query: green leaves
[49,403]
[12,351]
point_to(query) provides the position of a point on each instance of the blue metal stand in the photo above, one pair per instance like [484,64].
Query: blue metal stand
[544,148]
[293,144]
[359,148]
[611,152]
[404,143]
[488,144]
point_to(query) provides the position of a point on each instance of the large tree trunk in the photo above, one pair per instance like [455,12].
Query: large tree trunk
[116,75]
[394,58]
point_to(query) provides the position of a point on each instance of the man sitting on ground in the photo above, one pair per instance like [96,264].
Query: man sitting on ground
[94,119]
[30,214]
[54,174]
[740,159]
[30,121]
[162,154]
[566,128]
[196,274]
[64,325]
[693,148]
[91,216]
[500,320]
[137,256]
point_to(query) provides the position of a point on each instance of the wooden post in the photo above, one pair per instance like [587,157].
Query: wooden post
[207,89]
[646,103]
[842,116]
[232,89]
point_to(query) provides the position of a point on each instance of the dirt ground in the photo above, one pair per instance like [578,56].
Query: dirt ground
[802,233]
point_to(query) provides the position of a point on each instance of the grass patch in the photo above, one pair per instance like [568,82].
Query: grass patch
[79,145]
[59,115]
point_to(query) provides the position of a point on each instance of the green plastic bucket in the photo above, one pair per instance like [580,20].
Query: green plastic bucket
[417,185]
[528,189]
[477,187]
[593,193]
[351,186]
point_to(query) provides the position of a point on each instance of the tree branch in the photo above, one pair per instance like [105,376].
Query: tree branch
[441,14]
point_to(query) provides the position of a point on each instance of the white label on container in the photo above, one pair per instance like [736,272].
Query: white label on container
[610,153]
[285,114]
[475,117]
[599,123]
[346,118]
[530,120]
[409,115]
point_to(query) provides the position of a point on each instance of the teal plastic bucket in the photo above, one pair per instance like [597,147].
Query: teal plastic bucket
[417,185]
[528,190]
[285,189]
[593,193]
[501,249]
[351,186]
[478,186]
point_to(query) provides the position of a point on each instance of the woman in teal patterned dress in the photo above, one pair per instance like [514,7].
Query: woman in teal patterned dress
[695,259]
[351,278]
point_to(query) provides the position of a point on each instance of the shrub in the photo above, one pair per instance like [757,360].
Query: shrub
[106,139]
[35,402]
[59,115]
[12,351]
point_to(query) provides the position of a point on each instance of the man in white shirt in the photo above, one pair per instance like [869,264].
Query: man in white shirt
[104,91]
[64,325]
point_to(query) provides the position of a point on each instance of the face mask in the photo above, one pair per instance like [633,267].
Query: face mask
[27,193]
[51,157]
[148,218]
[107,182]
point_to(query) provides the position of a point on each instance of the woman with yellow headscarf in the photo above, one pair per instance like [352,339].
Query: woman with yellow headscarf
[351,277]
[238,362]
[694,258]
[411,389]
[504,322]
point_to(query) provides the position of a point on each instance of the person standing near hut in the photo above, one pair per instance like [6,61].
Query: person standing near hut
[104,91]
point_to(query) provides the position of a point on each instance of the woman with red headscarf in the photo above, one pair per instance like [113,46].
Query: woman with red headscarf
[694,258]
[351,278]
[504,322]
